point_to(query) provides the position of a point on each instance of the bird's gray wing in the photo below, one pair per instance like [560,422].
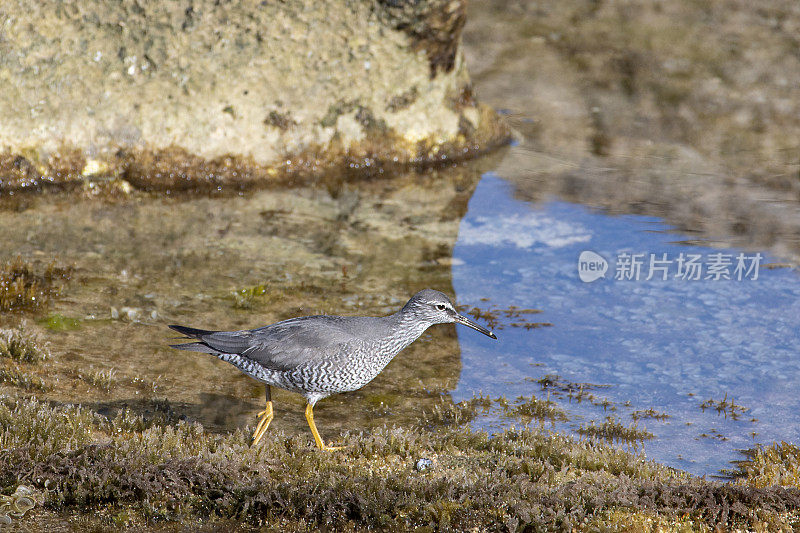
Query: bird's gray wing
[285,345]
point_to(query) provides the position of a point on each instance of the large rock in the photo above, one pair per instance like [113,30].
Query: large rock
[138,88]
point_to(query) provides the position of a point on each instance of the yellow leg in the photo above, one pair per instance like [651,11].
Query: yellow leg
[321,445]
[264,418]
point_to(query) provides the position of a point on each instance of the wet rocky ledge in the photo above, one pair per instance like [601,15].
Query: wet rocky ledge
[72,469]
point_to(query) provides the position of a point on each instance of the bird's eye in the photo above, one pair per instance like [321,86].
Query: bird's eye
[440,307]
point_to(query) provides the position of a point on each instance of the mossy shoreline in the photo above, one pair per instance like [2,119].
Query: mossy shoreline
[132,472]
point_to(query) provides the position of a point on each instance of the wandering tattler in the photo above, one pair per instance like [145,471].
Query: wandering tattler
[321,355]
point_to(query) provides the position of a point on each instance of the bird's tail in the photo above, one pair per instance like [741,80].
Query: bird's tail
[195,334]
[195,347]
[190,332]
[225,344]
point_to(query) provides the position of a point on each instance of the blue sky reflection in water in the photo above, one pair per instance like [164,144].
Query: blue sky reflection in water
[662,344]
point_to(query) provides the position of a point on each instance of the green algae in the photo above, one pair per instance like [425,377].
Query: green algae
[23,350]
[649,413]
[534,408]
[447,413]
[776,464]
[21,345]
[59,322]
[44,430]
[560,388]
[725,407]
[23,380]
[501,318]
[245,298]
[100,379]
[523,409]
[28,172]
[613,430]
[25,287]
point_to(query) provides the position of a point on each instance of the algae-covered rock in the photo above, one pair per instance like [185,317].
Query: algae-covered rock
[265,82]
[148,475]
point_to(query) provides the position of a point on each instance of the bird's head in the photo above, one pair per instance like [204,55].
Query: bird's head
[435,307]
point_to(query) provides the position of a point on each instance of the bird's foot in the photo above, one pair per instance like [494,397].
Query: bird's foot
[264,418]
[317,439]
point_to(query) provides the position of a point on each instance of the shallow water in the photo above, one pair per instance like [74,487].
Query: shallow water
[143,263]
[667,345]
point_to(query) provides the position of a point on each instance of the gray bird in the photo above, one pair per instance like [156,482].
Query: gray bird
[321,355]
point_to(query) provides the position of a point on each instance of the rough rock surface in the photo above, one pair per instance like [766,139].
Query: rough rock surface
[261,80]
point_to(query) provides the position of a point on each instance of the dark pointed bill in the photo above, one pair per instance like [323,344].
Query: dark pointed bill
[461,319]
